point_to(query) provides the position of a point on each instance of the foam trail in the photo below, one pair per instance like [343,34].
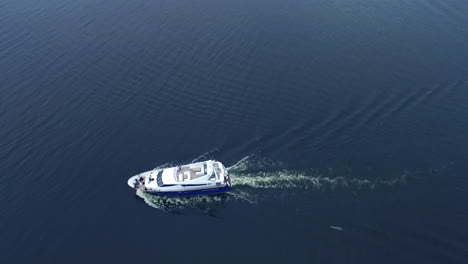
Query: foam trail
[260,173]
[286,179]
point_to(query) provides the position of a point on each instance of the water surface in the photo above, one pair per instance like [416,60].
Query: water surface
[343,123]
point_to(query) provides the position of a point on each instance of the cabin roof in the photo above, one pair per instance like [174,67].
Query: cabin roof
[168,176]
[200,172]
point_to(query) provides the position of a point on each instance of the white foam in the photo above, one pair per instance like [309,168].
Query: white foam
[339,228]
[173,203]
[293,180]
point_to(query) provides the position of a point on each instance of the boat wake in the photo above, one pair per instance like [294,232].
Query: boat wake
[260,173]
[252,174]
[287,179]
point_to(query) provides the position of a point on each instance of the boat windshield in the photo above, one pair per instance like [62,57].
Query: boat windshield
[159,178]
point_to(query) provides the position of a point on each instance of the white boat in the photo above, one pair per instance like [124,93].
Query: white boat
[207,177]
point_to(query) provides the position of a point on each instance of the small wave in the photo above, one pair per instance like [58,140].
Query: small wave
[254,163]
[204,203]
[165,165]
[205,156]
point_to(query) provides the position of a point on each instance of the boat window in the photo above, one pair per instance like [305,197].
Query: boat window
[213,177]
[159,178]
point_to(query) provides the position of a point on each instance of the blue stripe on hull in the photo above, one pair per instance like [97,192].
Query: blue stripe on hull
[193,193]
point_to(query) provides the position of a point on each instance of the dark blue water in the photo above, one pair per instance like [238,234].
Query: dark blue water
[344,125]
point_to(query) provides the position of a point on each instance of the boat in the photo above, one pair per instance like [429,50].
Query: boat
[200,178]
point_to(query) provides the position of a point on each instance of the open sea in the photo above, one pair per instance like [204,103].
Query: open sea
[343,123]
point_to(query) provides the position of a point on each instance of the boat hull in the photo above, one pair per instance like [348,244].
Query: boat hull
[192,192]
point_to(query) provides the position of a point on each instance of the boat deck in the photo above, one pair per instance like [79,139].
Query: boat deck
[190,173]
